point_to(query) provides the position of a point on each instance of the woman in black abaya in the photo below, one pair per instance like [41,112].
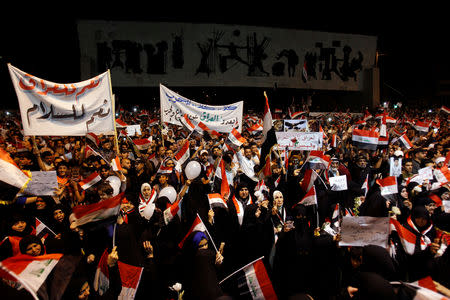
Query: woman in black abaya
[200,274]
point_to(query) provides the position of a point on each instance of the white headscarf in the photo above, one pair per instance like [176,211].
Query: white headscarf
[146,205]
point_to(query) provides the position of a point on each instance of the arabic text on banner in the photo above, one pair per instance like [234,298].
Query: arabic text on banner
[55,109]
[220,118]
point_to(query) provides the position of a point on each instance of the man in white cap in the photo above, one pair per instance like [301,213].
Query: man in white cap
[440,161]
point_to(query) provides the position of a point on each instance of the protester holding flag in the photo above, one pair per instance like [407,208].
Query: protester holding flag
[200,268]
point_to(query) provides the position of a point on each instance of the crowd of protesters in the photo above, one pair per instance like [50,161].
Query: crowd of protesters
[263,218]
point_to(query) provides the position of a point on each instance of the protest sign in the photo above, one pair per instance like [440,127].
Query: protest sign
[56,109]
[395,167]
[221,118]
[43,183]
[338,183]
[300,140]
[295,125]
[426,173]
[133,130]
[362,231]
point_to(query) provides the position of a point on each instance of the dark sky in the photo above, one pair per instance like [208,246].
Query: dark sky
[416,51]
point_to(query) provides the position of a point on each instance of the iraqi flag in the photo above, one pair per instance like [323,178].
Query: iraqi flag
[335,217]
[42,230]
[383,141]
[130,277]
[174,209]
[365,139]
[407,238]
[120,123]
[163,169]
[267,120]
[142,144]
[101,278]
[422,126]
[405,141]
[251,282]
[93,138]
[269,140]
[334,141]
[309,199]
[323,132]
[365,185]
[255,128]
[196,226]
[99,211]
[445,109]
[88,151]
[294,115]
[236,138]
[10,173]
[153,122]
[317,160]
[308,180]
[399,132]
[29,271]
[391,120]
[212,133]
[90,180]
[222,175]
[183,154]
[216,200]
[115,164]
[190,125]
[388,185]
[383,126]
[367,116]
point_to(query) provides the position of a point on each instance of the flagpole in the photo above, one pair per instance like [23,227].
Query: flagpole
[240,269]
[208,233]
[114,235]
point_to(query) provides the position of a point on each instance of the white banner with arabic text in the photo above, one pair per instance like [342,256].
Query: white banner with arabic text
[56,109]
[220,118]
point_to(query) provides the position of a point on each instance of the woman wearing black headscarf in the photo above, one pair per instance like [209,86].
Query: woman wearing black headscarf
[31,245]
[41,208]
[420,224]
[293,259]
[200,273]
[256,234]
[18,226]
[237,204]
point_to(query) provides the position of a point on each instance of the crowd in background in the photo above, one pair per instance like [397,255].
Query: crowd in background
[262,217]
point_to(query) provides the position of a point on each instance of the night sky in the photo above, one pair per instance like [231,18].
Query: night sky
[416,54]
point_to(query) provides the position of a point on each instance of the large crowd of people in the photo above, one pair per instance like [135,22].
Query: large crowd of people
[262,215]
